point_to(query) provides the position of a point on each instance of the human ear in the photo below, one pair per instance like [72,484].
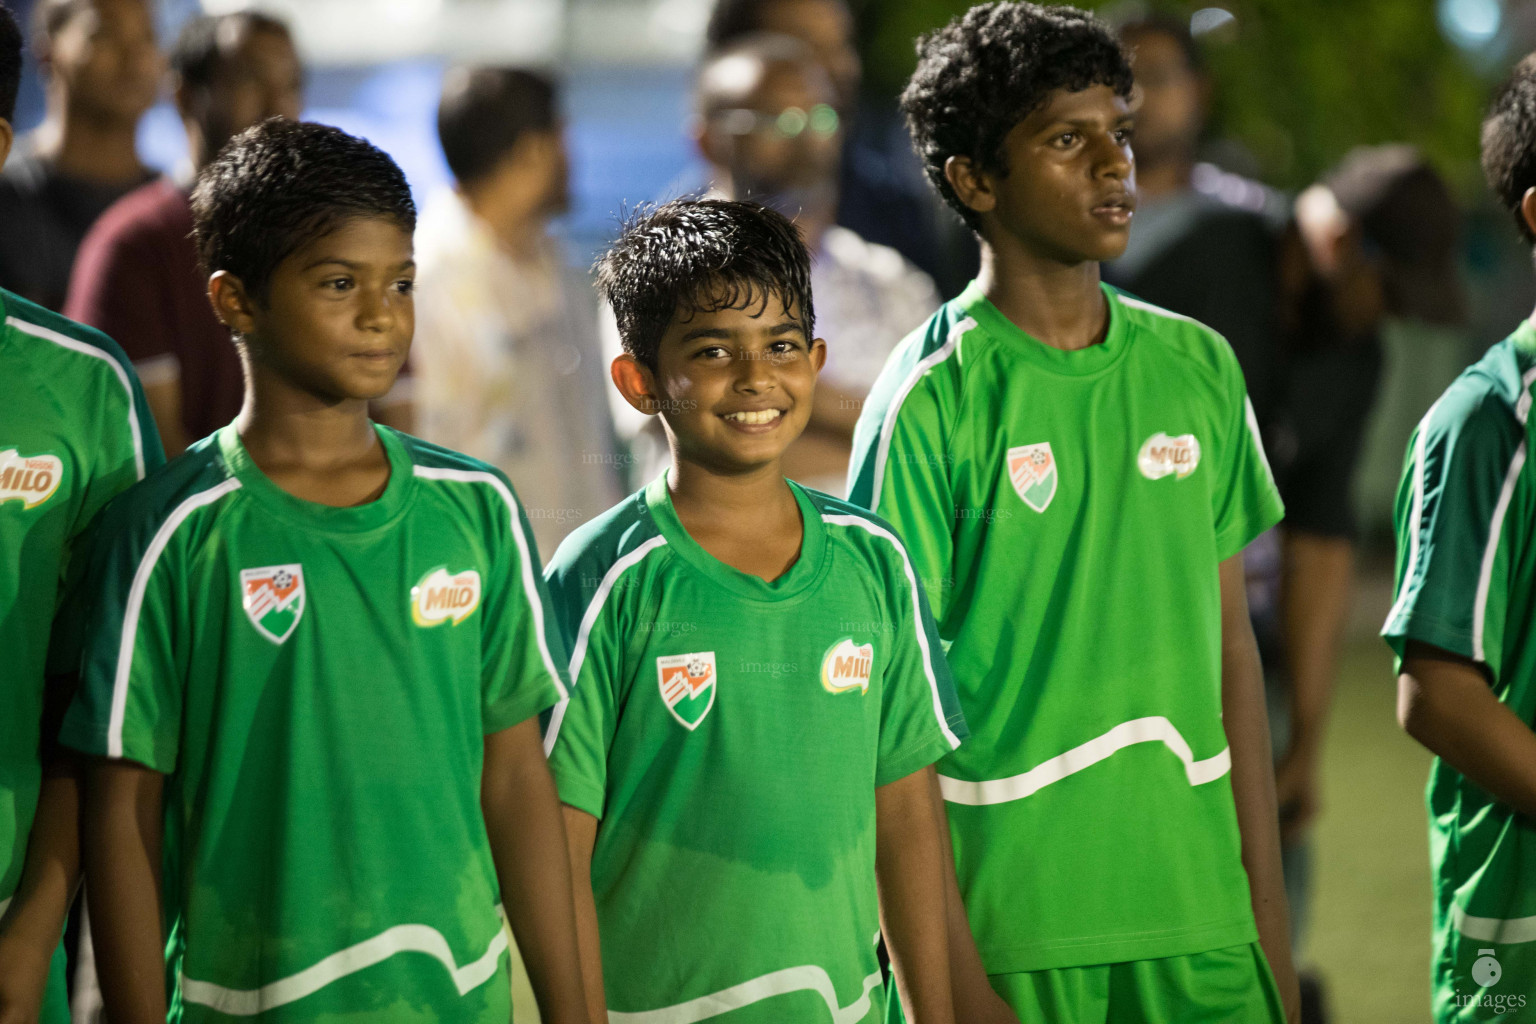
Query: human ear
[818,353]
[1528,209]
[232,304]
[7,136]
[970,183]
[636,383]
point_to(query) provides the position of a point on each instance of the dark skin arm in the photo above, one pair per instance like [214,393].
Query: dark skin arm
[909,865]
[581,834]
[1444,701]
[522,818]
[1253,781]
[121,843]
[1319,572]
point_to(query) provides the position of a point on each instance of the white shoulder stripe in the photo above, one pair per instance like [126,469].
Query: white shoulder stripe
[135,606]
[1416,513]
[524,553]
[1523,405]
[1490,552]
[1258,442]
[1155,729]
[584,633]
[403,938]
[888,425]
[806,978]
[122,376]
[917,616]
[1126,300]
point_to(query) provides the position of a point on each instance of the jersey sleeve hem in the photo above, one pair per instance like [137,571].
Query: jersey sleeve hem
[914,757]
[579,793]
[504,714]
[90,738]
[1426,629]
[1239,535]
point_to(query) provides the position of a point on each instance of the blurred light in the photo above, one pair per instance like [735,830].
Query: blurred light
[1210,19]
[792,122]
[1471,24]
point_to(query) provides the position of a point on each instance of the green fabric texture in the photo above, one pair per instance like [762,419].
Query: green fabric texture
[317,684]
[74,432]
[1067,512]
[730,734]
[1466,583]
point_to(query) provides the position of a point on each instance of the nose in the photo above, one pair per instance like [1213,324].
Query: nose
[376,310]
[1112,158]
[756,373]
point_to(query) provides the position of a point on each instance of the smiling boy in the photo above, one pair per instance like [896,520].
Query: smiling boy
[759,692]
[319,650]
[1076,473]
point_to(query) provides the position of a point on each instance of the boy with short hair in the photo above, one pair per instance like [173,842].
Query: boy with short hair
[1462,630]
[1076,474]
[74,432]
[317,657]
[759,692]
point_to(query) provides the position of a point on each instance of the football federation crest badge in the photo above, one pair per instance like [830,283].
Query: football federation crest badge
[441,597]
[687,686]
[1032,468]
[846,666]
[274,599]
[1168,456]
[30,479]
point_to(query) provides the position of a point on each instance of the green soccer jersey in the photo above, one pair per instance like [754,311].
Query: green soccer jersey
[317,684]
[74,431]
[730,734]
[1466,583]
[1067,512]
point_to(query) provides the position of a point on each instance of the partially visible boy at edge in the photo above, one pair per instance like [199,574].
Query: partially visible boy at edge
[759,693]
[74,432]
[1076,474]
[317,657]
[1463,627]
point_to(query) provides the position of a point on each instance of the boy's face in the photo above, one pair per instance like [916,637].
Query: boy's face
[1070,189]
[339,313]
[735,386]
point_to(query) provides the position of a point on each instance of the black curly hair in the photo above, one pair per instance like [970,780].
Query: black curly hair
[990,68]
[10,62]
[701,256]
[278,186]
[1509,141]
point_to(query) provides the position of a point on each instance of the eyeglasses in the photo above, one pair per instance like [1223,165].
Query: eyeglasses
[789,123]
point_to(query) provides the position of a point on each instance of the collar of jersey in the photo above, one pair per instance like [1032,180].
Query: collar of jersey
[806,571]
[312,515]
[1083,361]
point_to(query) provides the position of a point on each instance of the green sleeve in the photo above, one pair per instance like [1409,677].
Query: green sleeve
[901,463]
[523,668]
[1461,514]
[133,672]
[593,604]
[920,717]
[1246,502]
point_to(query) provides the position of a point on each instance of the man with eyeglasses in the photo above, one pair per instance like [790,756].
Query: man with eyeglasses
[767,123]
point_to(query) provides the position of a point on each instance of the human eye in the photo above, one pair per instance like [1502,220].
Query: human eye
[406,286]
[1064,140]
[338,284]
[1124,134]
[712,352]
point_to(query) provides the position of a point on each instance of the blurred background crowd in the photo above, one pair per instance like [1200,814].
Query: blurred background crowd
[1308,183]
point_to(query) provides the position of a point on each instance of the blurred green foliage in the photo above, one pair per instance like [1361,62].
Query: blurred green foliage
[1298,82]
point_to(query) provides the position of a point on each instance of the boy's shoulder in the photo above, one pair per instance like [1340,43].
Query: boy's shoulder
[854,525]
[152,508]
[75,343]
[1490,402]
[606,545]
[1174,333]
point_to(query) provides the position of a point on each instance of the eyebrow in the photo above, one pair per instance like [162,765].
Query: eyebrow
[720,333]
[352,264]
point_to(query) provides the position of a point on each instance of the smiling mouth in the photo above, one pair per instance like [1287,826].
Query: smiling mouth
[754,417]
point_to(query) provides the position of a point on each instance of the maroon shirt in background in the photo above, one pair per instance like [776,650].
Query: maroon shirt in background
[136,278]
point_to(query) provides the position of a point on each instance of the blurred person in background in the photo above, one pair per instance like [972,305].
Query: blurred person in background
[509,365]
[767,124]
[1463,628]
[136,276]
[881,193]
[102,68]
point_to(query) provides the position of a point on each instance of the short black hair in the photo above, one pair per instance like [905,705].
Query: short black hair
[282,184]
[989,69]
[1509,141]
[732,19]
[700,256]
[485,110]
[198,52]
[10,62]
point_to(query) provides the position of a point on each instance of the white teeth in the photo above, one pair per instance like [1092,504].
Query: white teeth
[757,417]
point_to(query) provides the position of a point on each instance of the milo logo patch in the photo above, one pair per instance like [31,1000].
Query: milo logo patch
[29,479]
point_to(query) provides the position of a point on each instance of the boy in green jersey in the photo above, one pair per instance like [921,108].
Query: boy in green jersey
[74,432]
[759,692]
[1463,627]
[317,657]
[1076,473]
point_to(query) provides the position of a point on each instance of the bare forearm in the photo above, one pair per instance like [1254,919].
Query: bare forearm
[32,924]
[523,820]
[1447,705]
[121,846]
[909,863]
[581,835]
[1253,782]
[1319,574]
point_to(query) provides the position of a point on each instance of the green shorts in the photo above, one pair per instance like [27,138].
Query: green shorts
[1477,980]
[55,998]
[1223,986]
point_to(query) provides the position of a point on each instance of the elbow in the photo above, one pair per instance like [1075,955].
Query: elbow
[1417,711]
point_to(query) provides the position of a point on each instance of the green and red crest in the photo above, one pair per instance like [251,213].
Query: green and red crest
[687,684]
[1032,470]
[273,597]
